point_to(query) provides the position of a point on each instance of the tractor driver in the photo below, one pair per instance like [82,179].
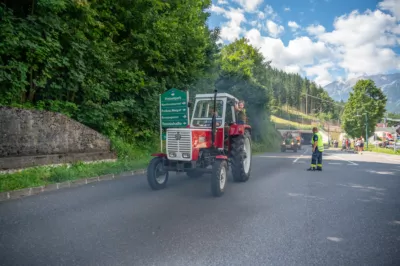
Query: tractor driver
[241,113]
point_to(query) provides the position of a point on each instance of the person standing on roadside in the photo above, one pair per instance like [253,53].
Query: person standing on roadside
[357,144]
[361,144]
[317,149]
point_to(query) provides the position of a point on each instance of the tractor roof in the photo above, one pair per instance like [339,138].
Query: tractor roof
[219,95]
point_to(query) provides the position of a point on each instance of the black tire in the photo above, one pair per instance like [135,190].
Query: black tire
[153,172]
[194,174]
[238,156]
[294,150]
[283,150]
[220,169]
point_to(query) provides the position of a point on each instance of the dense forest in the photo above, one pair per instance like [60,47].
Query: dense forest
[104,63]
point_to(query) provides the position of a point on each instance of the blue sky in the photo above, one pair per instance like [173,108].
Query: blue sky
[325,40]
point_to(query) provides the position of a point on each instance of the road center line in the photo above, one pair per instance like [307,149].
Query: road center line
[300,156]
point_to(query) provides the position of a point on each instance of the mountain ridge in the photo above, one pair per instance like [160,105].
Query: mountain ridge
[389,83]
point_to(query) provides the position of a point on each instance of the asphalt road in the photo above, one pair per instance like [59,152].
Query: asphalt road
[349,214]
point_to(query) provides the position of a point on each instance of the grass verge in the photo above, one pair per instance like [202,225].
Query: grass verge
[43,175]
[130,157]
[384,150]
[281,123]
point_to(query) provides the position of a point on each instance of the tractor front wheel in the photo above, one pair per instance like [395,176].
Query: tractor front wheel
[157,177]
[218,178]
[241,157]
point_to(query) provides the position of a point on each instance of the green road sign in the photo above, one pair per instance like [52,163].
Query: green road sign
[174,110]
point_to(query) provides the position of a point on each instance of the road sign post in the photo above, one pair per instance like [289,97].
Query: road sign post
[174,111]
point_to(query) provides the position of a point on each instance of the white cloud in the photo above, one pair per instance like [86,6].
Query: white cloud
[217,9]
[222,2]
[392,6]
[232,29]
[300,52]
[293,25]
[249,5]
[274,29]
[357,29]
[269,11]
[315,30]
[360,42]
[261,15]
[286,9]
[363,42]
[321,73]
[296,69]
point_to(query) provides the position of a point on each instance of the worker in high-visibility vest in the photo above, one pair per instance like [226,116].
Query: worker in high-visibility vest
[317,150]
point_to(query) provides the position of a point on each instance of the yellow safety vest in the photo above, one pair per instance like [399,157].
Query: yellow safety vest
[320,144]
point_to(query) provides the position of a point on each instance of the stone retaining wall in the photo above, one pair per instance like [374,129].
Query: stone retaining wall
[32,137]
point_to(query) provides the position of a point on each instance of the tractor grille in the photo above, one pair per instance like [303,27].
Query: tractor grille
[179,144]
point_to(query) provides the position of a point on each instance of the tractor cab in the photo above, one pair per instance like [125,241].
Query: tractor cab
[225,116]
[212,143]
[203,110]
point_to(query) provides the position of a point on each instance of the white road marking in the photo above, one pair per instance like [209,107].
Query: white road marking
[343,159]
[334,163]
[300,156]
[334,239]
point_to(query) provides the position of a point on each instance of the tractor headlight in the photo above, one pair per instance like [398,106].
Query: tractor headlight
[185,155]
[283,142]
[172,154]
[292,143]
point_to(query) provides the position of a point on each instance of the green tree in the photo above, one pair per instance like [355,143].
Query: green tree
[365,100]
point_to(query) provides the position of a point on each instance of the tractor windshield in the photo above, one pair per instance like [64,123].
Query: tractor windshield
[202,115]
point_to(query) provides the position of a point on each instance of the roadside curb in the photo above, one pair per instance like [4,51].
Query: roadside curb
[26,192]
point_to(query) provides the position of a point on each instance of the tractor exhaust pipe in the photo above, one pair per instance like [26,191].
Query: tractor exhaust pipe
[214,120]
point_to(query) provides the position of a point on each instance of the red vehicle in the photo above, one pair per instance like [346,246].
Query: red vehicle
[213,143]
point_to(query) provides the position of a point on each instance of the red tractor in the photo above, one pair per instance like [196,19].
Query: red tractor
[213,143]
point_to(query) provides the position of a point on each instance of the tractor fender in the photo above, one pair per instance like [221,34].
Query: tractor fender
[221,157]
[236,129]
[159,155]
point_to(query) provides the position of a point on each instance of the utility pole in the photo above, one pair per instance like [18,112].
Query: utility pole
[306,103]
[366,128]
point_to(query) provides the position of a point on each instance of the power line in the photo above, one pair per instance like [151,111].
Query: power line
[322,99]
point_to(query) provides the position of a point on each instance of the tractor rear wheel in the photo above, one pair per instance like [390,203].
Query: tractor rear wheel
[241,157]
[218,178]
[156,176]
